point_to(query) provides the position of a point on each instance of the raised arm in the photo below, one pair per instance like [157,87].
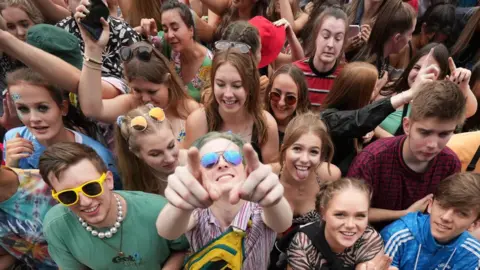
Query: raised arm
[286,12]
[54,69]
[90,97]
[52,11]
[217,6]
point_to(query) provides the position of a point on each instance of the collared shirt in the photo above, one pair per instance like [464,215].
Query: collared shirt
[259,238]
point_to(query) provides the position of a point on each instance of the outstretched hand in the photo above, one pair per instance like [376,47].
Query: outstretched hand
[261,185]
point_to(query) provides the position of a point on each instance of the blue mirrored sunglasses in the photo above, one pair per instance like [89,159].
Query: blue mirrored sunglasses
[211,159]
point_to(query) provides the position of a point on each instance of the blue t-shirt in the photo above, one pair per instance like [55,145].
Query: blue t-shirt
[32,161]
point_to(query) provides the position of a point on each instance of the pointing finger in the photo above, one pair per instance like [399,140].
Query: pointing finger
[451,65]
[251,158]
[193,163]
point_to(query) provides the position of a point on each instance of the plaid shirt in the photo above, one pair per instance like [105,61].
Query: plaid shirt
[395,186]
[259,240]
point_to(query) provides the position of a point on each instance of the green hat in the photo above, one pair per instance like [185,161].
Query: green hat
[56,41]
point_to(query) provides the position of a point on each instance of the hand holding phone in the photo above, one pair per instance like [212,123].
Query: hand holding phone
[353,30]
[91,23]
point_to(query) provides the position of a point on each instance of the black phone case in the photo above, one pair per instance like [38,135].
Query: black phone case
[91,23]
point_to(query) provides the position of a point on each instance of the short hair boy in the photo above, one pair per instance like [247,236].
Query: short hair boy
[439,240]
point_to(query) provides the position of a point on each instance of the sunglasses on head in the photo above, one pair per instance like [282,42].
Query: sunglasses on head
[140,123]
[289,99]
[90,189]
[211,159]
[142,52]
[223,45]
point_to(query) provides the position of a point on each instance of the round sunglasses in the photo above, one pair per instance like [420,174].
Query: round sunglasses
[143,53]
[211,159]
[90,189]
[139,123]
[290,99]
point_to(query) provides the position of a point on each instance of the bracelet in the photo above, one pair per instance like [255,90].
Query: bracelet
[91,60]
[91,67]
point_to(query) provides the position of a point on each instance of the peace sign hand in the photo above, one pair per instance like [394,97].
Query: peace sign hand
[261,186]
[460,76]
[185,190]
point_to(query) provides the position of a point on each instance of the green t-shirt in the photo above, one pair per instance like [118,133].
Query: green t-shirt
[72,247]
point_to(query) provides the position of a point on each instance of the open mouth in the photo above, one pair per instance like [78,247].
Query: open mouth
[91,210]
[302,171]
[348,234]
[40,129]
[229,102]
[225,177]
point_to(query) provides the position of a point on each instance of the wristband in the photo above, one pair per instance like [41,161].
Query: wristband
[91,60]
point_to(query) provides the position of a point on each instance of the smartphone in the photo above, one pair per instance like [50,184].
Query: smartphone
[353,30]
[91,22]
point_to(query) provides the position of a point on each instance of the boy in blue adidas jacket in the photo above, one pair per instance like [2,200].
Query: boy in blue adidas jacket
[440,240]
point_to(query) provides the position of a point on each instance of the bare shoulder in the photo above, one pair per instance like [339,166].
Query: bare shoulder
[329,172]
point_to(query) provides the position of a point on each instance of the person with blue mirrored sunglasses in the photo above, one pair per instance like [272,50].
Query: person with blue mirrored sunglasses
[228,204]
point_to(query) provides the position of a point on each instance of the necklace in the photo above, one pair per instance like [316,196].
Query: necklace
[112,230]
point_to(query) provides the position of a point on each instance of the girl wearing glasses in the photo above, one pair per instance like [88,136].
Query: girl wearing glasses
[191,59]
[223,196]
[151,79]
[286,96]
[147,150]
[49,118]
[235,104]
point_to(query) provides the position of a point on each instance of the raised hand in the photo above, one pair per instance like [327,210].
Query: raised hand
[185,189]
[420,205]
[261,186]
[16,149]
[81,12]
[148,27]
[9,119]
[460,76]
[427,73]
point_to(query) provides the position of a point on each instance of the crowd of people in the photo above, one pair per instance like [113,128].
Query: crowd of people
[240,134]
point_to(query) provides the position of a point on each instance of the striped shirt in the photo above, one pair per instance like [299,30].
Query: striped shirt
[259,239]
[319,83]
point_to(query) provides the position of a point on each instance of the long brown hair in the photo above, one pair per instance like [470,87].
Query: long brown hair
[246,67]
[353,8]
[138,10]
[303,103]
[352,88]
[159,71]
[303,124]
[136,174]
[465,37]
[273,16]
[394,17]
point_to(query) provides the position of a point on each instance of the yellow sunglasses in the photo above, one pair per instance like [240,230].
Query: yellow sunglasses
[90,189]
[139,123]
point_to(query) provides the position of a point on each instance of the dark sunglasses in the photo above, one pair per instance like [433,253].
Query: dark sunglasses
[143,53]
[290,100]
[211,159]
[91,189]
[223,45]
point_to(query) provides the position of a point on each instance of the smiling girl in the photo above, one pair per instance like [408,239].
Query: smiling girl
[286,96]
[235,104]
[343,230]
[48,118]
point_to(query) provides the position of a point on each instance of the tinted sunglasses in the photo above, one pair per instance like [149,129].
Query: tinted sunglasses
[223,45]
[290,100]
[211,159]
[140,123]
[90,189]
[143,53]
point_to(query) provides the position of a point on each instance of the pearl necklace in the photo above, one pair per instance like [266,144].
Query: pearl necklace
[112,230]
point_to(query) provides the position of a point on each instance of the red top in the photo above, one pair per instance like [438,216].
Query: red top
[395,186]
[319,83]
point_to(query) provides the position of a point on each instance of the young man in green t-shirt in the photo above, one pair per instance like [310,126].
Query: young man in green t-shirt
[95,227]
